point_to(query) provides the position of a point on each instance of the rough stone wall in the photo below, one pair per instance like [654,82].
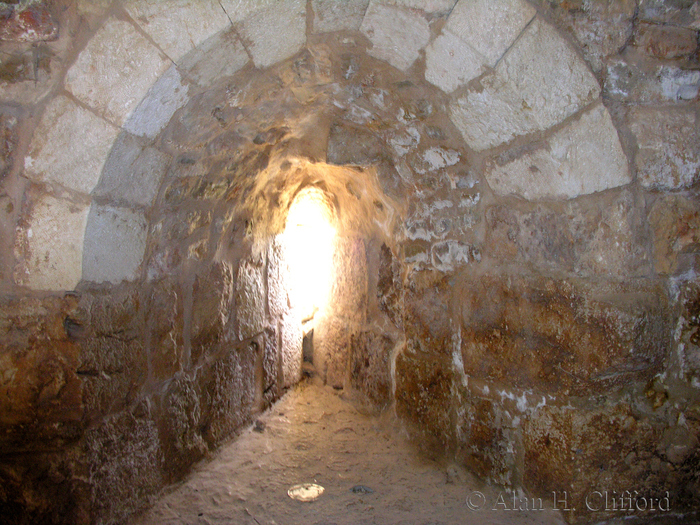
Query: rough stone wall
[518,194]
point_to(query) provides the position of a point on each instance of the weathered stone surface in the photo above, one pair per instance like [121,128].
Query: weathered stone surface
[164,331]
[178,26]
[212,305]
[451,63]
[61,152]
[348,292]
[646,81]
[675,225]
[668,142]
[40,405]
[250,299]
[683,14]
[165,97]
[28,75]
[123,458]
[397,34]
[665,41]
[27,23]
[370,368]
[237,10]
[601,27]
[115,243]
[331,15]
[586,449]
[132,172]
[228,390]
[490,26]
[349,144]
[424,398]
[538,83]
[275,32]
[116,69]
[50,246]
[271,381]
[278,279]
[427,318]
[587,237]
[389,286]
[9,124]
[436,7]
[332,350]
[563,336]
[291,337]
[585,157]
[220,56]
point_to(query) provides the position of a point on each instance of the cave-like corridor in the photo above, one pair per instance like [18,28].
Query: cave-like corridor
[439,256]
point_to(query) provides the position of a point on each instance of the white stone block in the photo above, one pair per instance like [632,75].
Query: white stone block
[540,82]
[220,56]
[338,15]
[115,70]
[585,157]
[397,35]
[275,32]
[668,142]
[451,63]
[178,26]
[238,10]
[115,243]
[132,173]
[63,151]
[490,26]
[165,97]
[435,7]
[53,242]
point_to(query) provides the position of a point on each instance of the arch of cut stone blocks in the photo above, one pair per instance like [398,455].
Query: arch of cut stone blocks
[93,141]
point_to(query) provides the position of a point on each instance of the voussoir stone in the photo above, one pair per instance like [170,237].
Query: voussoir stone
[435,7]
[585,157]
[61,152]
[220,56]
[397,34]
[165,97]
[538,83]
[668,142]
[490,26]
[178,26]
[275,32]
[115,70]
[115,242]
[237,10]
[451,62]
[52,244]
[331,15]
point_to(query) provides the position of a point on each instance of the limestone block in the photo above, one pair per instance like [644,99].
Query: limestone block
[370,370]
[397,34]
[668,142]
[645,81]
[334,15]
[212,301]
[115,242]
[50,249]
[545,334]
[448,255]
[332,350]
[275,32]
[132,173]
[220,56]
[435,7]
[164,98]
[675,226]
[237,10]
[115,70]
[585,157]
[683,14]
[665,41]
[292,339]
[538,83]
[250,299]
[178,26]
[62,152]
[451,63]
[490,26]
[348,294]
[278,278]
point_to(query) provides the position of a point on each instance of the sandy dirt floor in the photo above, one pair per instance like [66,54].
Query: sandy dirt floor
[314,435]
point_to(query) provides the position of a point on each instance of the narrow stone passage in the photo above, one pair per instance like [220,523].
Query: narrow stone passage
[315,435]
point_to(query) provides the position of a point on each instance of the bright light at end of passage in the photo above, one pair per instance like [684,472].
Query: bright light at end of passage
[310,239]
